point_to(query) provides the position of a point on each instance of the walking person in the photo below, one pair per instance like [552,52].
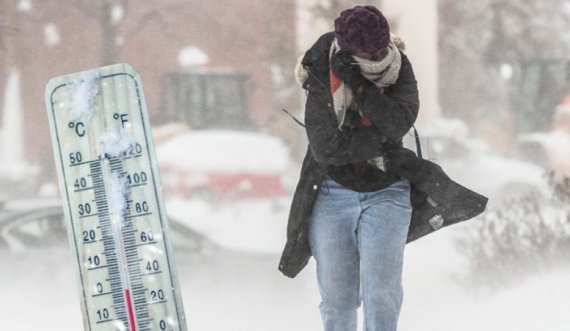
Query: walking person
[362,196]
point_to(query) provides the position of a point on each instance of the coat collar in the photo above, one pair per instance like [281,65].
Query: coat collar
[316,60]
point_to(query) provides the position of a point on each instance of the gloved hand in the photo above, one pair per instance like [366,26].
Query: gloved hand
[346,68]
[351,120]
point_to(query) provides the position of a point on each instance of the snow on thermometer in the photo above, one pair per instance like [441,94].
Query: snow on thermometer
[114,208]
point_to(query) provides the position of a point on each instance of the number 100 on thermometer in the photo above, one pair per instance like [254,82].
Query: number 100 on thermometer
[113,203]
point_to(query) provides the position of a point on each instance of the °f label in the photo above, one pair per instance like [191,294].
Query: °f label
[115,213]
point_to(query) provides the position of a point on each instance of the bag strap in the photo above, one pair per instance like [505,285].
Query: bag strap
[418,144]
[293,117]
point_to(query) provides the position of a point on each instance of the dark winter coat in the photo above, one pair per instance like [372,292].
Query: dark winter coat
[437,201]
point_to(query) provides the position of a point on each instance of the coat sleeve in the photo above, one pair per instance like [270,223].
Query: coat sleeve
[394,112]
[329,144]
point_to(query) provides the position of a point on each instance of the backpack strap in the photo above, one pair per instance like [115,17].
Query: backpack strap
[418,144]
[293,117]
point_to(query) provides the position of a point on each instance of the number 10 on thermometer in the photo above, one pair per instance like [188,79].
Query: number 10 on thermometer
[113,204]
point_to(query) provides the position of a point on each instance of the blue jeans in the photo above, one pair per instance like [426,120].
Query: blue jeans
[358,242]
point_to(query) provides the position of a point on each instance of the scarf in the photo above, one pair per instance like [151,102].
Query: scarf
[382,73]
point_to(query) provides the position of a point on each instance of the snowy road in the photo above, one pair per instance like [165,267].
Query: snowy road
[233,290]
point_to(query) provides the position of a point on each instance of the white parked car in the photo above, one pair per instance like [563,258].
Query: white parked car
[221,164]
[471,163]
[549,150]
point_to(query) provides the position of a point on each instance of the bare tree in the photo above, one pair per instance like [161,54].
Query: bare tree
[8,32]
[477,39]
[109,14]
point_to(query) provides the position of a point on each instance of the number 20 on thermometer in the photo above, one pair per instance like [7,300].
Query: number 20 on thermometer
[113,204]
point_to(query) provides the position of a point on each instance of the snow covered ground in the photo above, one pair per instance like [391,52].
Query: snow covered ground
[39,290]
[435,300]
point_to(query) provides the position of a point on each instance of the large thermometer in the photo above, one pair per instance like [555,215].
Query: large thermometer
[113,203]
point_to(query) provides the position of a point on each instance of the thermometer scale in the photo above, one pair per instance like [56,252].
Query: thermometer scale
[113,203]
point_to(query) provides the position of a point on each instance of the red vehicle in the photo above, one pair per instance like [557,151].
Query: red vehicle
[223,164]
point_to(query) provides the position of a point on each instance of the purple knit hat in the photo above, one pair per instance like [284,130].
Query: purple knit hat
[362,29]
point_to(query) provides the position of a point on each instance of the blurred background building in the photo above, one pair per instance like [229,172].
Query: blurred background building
[226,57]
[500,66]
